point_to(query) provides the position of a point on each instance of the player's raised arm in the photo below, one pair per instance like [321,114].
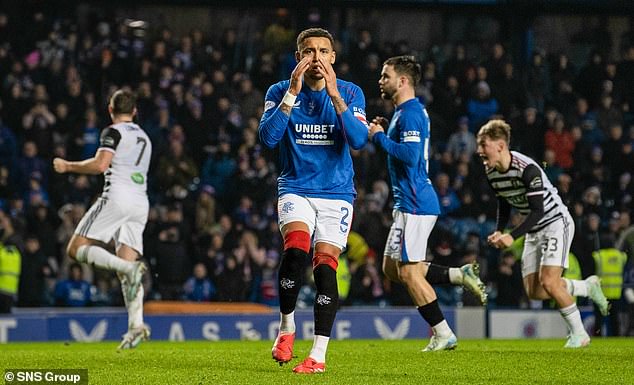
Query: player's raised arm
[408,150]
[354,121]
[93,166]
[278,106]
[96,165]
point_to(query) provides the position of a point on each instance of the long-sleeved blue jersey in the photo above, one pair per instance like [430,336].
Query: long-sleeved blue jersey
[315,141]
[407,145]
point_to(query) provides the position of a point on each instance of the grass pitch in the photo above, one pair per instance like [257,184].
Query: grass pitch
[606,361]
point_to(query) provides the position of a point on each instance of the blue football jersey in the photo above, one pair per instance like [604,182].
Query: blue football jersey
[315,141]
[407,145]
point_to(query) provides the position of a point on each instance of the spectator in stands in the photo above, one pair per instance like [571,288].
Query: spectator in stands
[590,77]
[30,164]
[481,107]
[559,140]
[587,120]
[199,288]
[528,133]
[10,264]
[551,167]
[218,170]
[205,210]
[232,283]
[537,81]
[508,281]
[38,124]
[509,91]
[176,170]
[35,269]
[8,147]
[462,143]
[6,187]
[449,201]
[608,114]
[42,226]
[610,264]
[88,139]
[74,291]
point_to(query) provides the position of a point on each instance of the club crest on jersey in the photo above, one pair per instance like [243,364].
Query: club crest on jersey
[535,182]
[314,134]
[108,141]
[311,107]
[268,105]
[287,207]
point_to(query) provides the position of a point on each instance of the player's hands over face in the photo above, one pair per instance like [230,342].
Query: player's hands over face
[298,74]
[499,240]
[60,165]
[326,70]
[378,124]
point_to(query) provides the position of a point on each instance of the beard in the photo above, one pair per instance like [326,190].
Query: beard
[314,75]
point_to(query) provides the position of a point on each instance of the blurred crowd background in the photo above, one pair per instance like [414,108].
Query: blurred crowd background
[565,83]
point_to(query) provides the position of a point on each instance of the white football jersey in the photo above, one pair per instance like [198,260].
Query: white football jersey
[127,175]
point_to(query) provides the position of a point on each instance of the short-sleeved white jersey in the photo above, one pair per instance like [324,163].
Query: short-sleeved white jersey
[127,175]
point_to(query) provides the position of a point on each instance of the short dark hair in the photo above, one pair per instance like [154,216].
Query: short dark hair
[123,102]
[406,65]
[314,32]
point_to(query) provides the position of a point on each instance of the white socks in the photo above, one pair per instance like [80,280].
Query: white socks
[320,345]
[287,322]
[99,257]
[442,329]
[135,307]
[573,319]
[576,288]
[455,275]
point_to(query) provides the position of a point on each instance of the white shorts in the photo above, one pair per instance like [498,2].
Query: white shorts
[549,246]
[328,219]
[407,240]
[122,221]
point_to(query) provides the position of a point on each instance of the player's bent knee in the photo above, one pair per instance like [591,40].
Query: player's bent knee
[549,285]
[407,274]
[321,258]
[537,293]
[297,239]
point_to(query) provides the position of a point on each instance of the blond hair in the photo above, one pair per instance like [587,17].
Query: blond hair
[496,129]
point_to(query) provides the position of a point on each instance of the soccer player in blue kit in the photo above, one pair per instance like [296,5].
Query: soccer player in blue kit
[315,119]
[416,206]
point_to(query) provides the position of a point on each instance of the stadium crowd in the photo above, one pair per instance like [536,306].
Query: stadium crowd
[212,234]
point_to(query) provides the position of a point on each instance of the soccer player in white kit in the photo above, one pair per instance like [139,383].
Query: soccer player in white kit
[121,212]
[520,183]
